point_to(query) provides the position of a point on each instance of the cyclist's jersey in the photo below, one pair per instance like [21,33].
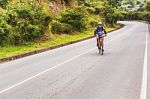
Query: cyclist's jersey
[99,31]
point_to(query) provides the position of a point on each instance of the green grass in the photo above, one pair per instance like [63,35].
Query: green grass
[57,39]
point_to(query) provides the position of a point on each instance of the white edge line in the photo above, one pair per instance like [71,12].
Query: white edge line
[143,94]
[39,74]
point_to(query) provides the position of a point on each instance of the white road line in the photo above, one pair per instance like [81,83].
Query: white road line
[143,94]
[39,74]
[44,71]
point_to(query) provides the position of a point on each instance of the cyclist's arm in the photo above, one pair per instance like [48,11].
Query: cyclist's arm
[94,32]
[105,32]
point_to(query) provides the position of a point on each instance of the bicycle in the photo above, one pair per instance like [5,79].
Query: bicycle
[100,45]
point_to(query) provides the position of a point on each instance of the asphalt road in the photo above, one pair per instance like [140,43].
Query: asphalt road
[77,71]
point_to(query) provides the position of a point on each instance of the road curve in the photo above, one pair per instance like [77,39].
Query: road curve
[77,71]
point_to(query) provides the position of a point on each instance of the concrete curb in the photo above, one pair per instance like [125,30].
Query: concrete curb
[7,59]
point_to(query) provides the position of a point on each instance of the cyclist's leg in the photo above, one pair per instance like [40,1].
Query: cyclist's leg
[100,41]
[97,39]
[102,44]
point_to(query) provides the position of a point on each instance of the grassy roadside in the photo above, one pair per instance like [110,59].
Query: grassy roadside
[58,39]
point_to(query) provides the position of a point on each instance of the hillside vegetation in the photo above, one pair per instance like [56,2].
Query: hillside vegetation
[28,25]
[25,21]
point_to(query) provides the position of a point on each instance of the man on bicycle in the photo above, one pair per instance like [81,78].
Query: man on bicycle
[100,33]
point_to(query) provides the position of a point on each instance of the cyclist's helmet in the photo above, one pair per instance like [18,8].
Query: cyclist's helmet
[100,23]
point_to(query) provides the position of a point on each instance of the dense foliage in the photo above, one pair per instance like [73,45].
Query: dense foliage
[147,7]
[3,3]
[137,15]
[76,18]
[22,22]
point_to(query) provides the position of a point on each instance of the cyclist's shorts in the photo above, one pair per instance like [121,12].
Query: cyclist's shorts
[100,36]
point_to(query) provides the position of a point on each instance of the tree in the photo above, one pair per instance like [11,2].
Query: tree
[138,2]
[111,13]
[114,3]
[3,3]
[147,7]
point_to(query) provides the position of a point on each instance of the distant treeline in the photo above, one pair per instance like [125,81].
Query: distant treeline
[138,15]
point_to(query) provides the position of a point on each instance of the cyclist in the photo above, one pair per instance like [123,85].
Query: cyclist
[100,33]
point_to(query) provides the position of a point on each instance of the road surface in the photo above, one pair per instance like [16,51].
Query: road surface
[77,71]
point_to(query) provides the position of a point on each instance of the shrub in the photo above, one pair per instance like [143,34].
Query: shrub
[91,10]
[147,16]
[76,18]
[23,22]
[5,29]
[99,10]
[59,28]
[5,32]
[93,23]
[112,15]
[34,32]
[3,3]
